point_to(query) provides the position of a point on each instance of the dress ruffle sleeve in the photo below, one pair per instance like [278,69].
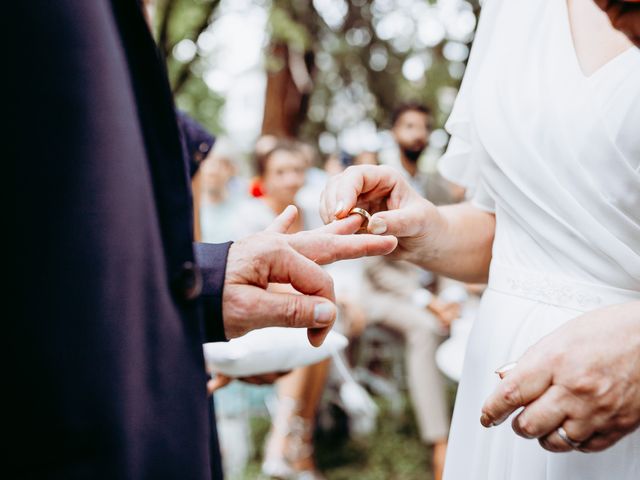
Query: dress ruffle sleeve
[461,163]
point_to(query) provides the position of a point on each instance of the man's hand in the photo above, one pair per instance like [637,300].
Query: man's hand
[275,257]
[584,377]
[624,16]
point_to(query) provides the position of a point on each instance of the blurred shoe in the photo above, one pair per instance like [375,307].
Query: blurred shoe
[281,470]
[277,468]
[288,445]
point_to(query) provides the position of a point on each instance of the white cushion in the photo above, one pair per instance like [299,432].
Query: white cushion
[268,350]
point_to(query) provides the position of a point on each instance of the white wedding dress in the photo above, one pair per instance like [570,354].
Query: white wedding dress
[556,155]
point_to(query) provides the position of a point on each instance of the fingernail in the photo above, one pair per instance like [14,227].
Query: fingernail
[323,313]
[505,368]
[485,421]
[377,226]
[339,208]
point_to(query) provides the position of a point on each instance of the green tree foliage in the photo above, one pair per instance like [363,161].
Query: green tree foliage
[178,25]
[362,67]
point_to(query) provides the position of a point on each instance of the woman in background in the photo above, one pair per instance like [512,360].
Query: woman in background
[289,449]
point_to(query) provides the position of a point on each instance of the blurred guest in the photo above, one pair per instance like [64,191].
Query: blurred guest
[411,126]
[289,450]
[281,173]
[397,297]
[308,197]
[333,165]
[263,145]
[219,204]
[366,158]
[196,141]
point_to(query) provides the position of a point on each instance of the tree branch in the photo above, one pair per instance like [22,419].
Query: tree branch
[185,71]
[163,36]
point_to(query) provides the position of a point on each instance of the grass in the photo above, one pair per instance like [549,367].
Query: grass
[392,452]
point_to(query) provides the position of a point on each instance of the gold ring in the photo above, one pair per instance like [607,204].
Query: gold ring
[364,214]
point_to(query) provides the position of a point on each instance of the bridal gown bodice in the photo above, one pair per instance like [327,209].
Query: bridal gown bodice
[555,154]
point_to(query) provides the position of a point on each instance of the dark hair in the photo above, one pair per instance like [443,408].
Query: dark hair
[412,107]
[281,145]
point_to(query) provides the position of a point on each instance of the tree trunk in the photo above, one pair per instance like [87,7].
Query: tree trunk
[288,91]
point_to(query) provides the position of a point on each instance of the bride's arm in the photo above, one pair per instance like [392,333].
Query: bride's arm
[463,251]
[453,240]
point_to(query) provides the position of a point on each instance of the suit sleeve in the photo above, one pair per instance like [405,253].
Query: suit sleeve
[212,262]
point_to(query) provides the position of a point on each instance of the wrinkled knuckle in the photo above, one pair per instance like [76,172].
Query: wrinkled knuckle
[259,264]
[242,306]
[627,423]
[511,394]
[293,311]
[280,245]
[527,428]
[583,385]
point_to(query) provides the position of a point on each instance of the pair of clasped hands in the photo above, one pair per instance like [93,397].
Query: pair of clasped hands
[584,377]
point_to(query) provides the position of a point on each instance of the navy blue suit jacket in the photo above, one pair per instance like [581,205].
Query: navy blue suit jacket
[114,303]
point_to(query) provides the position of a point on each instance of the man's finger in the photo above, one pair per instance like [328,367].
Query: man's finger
[283,222]
[304,275]
[344,226]
[328,248]
[279,309]
[526,382]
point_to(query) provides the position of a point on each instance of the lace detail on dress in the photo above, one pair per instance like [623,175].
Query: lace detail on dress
[549,290]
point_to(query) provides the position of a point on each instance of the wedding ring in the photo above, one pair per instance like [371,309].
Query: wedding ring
[364,214]
[562,433]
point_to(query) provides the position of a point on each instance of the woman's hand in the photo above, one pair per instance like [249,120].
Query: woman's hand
[396,208]
[454,240]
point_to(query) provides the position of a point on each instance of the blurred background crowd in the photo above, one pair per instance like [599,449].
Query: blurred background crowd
[275,98]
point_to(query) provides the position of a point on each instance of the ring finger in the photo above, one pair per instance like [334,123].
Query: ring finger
[554,442]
